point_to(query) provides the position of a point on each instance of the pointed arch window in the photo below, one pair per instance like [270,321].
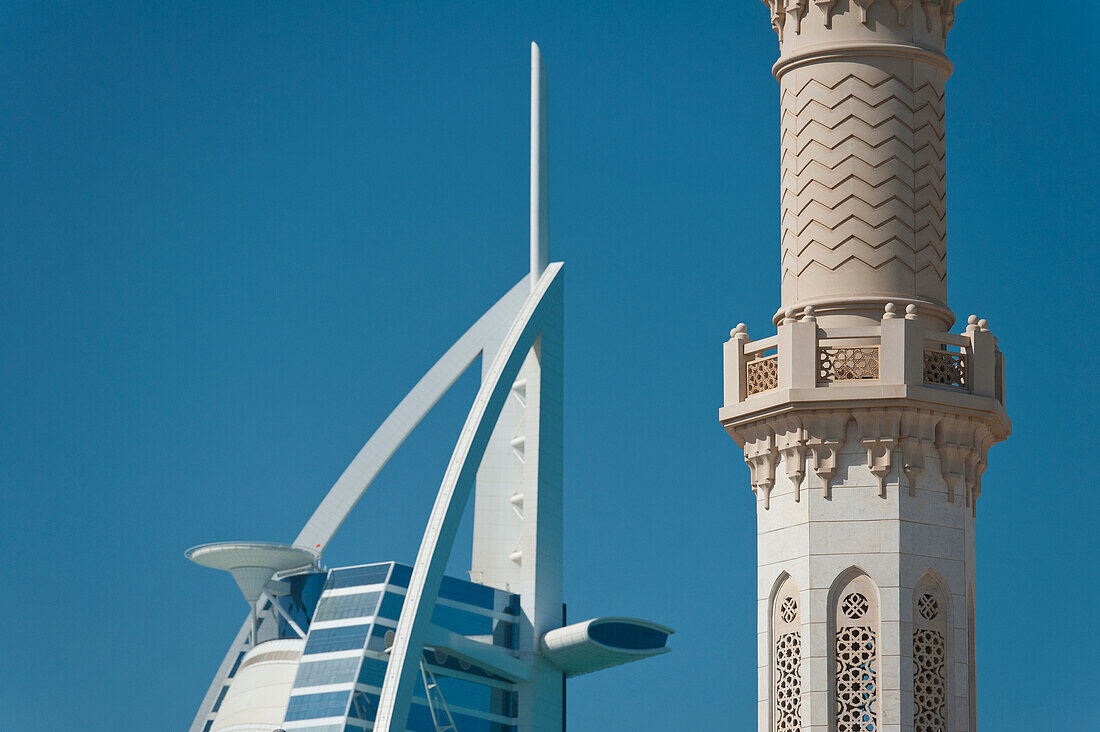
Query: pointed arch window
[854,603]
[931,615]
[786,636]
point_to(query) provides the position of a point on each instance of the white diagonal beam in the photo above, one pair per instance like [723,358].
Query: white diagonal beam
[373,456]
[450,503]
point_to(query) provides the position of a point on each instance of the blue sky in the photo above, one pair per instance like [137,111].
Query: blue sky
[235,234]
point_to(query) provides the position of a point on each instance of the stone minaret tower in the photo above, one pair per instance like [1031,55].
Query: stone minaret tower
[865,422]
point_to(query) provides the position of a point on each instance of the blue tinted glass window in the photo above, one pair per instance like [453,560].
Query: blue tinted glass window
[452,663]
[420,720]
[317,673]
[312,706]
[305,590]
[221,698]
[336,639]
[467,592]
[627,635]
[377,640]
[236,665]
[461,621]
[401,575]
[391,606]
[372,672]
[462,693]
[364,705]
[347,606]
[206,727]
[372,574]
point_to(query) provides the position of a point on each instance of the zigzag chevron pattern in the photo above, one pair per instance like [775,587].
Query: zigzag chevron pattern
[864,177]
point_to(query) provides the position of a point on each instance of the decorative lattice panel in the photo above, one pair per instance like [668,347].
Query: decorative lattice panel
[946,368]
[856,679]
[847,364]
[762,374]
[929,681]
[854,606]
[928,607]
[788,609]
[788,683]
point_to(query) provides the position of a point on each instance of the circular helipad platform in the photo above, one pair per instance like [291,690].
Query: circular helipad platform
[252,563]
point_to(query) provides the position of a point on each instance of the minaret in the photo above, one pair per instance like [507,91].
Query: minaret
[865,422]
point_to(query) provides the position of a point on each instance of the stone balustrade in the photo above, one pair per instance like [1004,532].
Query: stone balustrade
[901,351]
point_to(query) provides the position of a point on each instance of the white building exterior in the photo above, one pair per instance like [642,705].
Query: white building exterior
[396,648]
[864,422]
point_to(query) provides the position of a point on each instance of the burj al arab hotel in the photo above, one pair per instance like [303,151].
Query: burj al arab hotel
[389,647]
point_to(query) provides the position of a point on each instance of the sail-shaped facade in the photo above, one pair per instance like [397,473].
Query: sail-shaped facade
[393,647]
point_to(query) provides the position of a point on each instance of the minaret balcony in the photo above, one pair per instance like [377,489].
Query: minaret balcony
[900,360]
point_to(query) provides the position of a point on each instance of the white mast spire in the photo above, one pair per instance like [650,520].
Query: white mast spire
[540,223]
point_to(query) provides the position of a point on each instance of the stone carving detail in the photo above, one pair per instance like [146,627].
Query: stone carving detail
[778,15]
[788,609]
[863,5]
[953,440]
[762,374]
[847,364]
[945,367]
[790,441]
[856,679]
[928,607]
[761,456]
[797,9]
[824,438]
[947,16]
[879,435]
[929,681]
[864,182]
[902,6]
[827,7]
[931,10]
[788,683]
[918,433]
[930,627]
[893,440]
[854,606]
[787,662]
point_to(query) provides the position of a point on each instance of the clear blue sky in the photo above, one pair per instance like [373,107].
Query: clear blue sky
[235,234]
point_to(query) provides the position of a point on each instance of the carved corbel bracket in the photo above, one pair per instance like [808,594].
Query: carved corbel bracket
[825,438]
[761,457]
[931,9]
[827,7]
[863,5]
[797,10]
[778,12]
[981,439]
[902,6]
[970,467]
[917,430]
[953,445]
[947,16]
[790,441]
[879,435]
[987,441]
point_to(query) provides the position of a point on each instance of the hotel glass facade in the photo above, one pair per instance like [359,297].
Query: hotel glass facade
[349,616]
